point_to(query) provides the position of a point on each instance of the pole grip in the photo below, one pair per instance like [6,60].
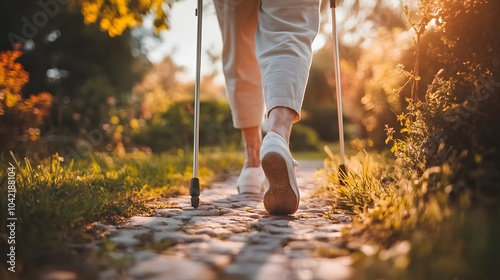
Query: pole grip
[333,4]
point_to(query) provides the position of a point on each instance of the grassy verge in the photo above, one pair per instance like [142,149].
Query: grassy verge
[407,227]
[56,199]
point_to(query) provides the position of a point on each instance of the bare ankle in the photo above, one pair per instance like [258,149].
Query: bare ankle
[252,137]
[281,120]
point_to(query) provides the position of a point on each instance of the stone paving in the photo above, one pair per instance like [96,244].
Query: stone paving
[231,236]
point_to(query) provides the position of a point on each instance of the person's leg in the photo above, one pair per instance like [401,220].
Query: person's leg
[284,38]
[252,136]
[238,20]
[281,120]
[286,31]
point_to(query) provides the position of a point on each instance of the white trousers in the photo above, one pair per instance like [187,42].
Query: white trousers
[266,54]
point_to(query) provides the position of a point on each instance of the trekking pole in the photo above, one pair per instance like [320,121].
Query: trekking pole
[338,86]
[194,190]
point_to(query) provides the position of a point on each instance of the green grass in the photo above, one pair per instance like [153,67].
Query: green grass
[407,227]
[56,199]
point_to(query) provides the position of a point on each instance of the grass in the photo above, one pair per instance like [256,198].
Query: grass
[56,199]
[405,225]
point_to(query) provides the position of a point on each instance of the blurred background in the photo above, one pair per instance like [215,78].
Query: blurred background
[108,84]
[84,87]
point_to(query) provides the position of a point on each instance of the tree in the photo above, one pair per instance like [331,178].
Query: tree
[116,16]
[81,66]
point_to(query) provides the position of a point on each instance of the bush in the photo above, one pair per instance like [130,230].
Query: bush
[20,119]
[324,120]
[457,123]
[303,138]
[434,213]
[176,128]
[407,226]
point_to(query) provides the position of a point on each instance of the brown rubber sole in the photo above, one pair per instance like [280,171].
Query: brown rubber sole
[280,199]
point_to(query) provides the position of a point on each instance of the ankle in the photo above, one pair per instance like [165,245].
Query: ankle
[252,157]
[253,140]
[281,120]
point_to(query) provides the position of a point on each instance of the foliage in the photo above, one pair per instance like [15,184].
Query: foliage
[56,198]
[363,187]
[405,227]
[175,128]
[434,213]
[115,16]
[377,80]
[21,119]
[324,120]
[371,42]
[303,138]
[456,122]
[319,110]
[79,65]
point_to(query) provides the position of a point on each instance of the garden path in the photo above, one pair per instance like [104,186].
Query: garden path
[231,236]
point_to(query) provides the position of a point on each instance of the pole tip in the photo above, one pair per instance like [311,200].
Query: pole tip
[194,190]
[195,201]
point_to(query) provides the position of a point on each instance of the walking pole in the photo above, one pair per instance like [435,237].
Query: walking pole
[338,85]
[194,190]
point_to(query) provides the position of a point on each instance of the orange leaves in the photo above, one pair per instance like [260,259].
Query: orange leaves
[12,79]
[18,115]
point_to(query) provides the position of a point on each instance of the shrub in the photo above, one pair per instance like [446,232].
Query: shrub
[303,138]
[323,119]
[434,213]
[457,123]
[176,128]
[20,119]
[406,225]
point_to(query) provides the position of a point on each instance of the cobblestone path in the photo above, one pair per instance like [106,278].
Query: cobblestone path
[231,236]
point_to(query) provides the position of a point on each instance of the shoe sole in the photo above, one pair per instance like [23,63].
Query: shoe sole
[279,199]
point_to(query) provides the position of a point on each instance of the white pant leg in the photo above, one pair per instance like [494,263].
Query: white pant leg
[286,31]
[238,20]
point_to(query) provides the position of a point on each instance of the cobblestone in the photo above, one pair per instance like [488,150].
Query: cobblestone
[231,236]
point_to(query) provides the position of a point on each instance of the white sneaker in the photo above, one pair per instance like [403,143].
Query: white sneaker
[281,195]
[251,180]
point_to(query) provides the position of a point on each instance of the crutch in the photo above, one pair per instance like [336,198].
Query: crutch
[338,86]
[194,189]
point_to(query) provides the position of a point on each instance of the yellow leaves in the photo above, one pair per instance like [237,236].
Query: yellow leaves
[105,24]
[119,129]
[115,120]
[11,99]
[115,16]
[135,125]
[90,10]
[121,7]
